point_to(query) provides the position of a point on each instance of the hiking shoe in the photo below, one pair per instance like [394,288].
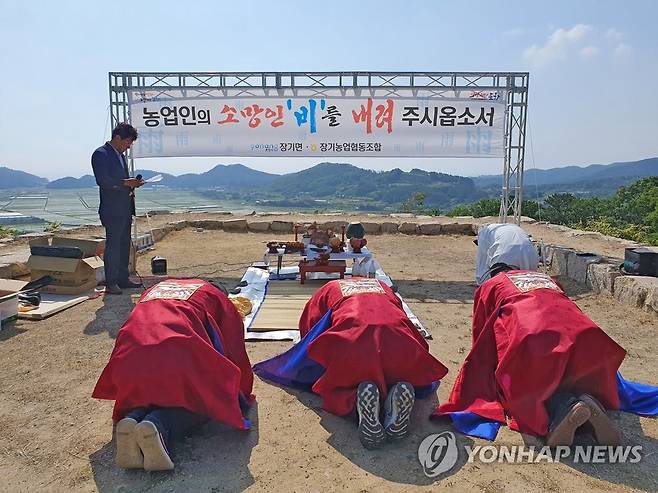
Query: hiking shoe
[397,410]
[605,430]
[563,428]
[156,456]
[128,454]
[371,431]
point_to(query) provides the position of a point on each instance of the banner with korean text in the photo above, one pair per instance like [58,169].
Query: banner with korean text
[471,125]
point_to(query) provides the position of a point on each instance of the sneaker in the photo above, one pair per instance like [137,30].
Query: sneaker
[156,456]
[563,428]
[128,454]
[112,289]
[605,430]
[397,410]
[371,431]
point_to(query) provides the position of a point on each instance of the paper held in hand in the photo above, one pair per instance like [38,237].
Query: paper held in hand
[154,179]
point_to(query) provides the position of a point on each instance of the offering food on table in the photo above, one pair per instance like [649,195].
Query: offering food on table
[336,244]
[320,238]
[290,246]
[294,246]
[242,304]
[357,244]
[272,246]
[312,228]
[323,258]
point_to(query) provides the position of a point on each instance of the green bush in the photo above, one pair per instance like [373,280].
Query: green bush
[632,213]
[52,227]
[6,232]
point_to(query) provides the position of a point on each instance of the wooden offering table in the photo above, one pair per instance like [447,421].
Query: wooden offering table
[313,266]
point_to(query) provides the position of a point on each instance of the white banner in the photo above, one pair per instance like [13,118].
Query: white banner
[468,126]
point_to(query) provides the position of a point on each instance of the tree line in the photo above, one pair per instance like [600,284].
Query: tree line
[631,213]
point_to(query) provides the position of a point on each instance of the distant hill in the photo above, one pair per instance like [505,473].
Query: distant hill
[88,181]
[167,179]
[85,181]
[343,183]
[231,176]
[11,178]
[627,172]
[335,180]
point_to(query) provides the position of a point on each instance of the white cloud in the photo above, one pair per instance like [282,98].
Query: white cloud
[623,50]
[589,51]
[615,38]
[614,35]
[514,32]
[558,45]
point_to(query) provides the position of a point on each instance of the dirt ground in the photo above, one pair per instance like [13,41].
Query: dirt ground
[54,437]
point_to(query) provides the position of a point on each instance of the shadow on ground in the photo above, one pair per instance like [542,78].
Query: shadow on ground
[116,309]
[397,462]
[214,458]
[10,330]
[640,475]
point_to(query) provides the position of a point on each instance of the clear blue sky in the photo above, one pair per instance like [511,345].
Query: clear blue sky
[593,67]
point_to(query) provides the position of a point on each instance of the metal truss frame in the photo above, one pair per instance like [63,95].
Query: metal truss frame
[433,84]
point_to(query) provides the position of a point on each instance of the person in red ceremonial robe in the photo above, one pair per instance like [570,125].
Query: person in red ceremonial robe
[179,360]
[359,350]
[537,361]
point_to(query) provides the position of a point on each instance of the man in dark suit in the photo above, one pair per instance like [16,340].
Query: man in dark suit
[117,205]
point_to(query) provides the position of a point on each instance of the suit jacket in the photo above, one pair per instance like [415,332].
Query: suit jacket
[110,171]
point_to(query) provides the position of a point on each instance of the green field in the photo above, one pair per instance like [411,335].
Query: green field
[80,206]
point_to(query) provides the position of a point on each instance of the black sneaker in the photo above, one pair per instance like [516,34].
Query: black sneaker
[397,410]
[371,431]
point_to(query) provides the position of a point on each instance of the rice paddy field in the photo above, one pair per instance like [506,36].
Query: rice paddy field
[70,208]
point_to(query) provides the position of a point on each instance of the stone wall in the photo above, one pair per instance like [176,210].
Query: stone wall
[602,275]
[598,273]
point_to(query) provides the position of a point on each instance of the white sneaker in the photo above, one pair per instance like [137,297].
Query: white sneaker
[371,431]
[156,456]
[397,410]
[128,454]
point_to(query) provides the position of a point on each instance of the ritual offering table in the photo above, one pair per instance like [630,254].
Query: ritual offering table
[314,266]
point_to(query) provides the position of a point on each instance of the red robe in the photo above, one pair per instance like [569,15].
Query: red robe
[370,338]
[164,356]
[529,339]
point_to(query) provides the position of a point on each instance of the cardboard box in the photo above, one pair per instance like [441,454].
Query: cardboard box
[9,289]
[70,275]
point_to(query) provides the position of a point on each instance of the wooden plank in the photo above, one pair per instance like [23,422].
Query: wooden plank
[52,304]
[283,305]
[286,288]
